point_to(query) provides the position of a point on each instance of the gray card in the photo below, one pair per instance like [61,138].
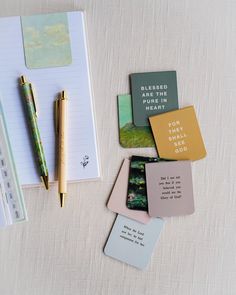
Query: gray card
[133,242]
[153,93]
[169,188]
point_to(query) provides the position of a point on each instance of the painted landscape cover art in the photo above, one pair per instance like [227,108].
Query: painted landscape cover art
[137,192]
[46,40]
[130,135]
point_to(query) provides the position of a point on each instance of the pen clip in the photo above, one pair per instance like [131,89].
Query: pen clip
[56,115]
[32,90]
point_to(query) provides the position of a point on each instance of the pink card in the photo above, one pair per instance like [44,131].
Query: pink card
[169,188]
[117,201]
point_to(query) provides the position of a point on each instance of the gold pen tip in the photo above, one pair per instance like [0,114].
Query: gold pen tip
[45,181]
[64,95]
[62,199]
[22,80]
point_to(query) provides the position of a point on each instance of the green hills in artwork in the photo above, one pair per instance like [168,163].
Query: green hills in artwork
[130,135]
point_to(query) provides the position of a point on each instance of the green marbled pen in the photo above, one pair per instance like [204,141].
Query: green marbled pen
[30,104]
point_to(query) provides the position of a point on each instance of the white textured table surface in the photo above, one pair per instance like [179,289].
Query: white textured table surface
[60,251]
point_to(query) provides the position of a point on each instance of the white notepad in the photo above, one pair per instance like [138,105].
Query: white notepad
[74,78]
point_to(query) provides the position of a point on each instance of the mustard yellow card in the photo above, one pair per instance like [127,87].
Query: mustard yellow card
[177,135]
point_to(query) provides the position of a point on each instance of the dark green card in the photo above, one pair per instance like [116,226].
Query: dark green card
[137,193]
[153,93]
[130,135]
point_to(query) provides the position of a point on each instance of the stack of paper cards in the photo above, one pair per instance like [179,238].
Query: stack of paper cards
[151,93]
[150,188]
[145,188]
[134,233]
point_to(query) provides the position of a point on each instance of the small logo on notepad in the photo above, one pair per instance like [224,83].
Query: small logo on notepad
[85,161]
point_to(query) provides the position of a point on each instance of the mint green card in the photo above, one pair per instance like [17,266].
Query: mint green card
[46,40]
[133,242]
[131,136]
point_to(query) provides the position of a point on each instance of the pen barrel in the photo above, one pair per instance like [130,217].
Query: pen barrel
[62,144]
[32,120]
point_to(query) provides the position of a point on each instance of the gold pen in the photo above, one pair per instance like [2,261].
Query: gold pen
[61,131]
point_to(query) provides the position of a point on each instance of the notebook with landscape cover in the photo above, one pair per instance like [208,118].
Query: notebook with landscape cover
[51,51]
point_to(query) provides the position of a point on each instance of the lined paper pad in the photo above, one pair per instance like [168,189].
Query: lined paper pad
[82,153]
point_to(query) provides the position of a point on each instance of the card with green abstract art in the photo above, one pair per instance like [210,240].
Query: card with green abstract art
[130,135]
[46,40]
[137,192]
